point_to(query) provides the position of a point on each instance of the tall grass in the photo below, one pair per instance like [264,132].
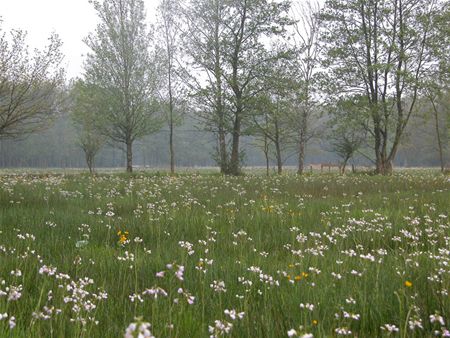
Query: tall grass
[325,255]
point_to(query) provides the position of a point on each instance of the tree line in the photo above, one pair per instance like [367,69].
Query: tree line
[353,72]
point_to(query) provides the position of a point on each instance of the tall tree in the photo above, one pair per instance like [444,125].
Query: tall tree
[170,90]
[122,66]
[378,48]
[30,84]
[228,51]
[307,64]
[247,23]
[203,39]
[437,84]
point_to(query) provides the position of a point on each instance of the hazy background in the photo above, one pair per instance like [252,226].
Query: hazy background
[57,146]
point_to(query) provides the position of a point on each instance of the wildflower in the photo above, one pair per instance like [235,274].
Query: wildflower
[139,329]
[12,322]
[233,314]
[220,328]
[307,306]
[123,236]
[291,333]
[218,286]
[389,328]
[437,318]
[408,284]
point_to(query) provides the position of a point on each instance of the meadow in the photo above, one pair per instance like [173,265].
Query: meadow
[203,255]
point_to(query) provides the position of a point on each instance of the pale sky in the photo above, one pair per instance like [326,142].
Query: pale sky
[72,20]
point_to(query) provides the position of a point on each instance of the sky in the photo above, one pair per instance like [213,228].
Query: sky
[72,20]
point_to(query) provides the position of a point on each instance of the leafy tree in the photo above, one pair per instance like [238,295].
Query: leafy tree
[346,136]
[203,39]
[378,49]
[245,57]
[226,44]
[30,84]
[436,87]
[123,69]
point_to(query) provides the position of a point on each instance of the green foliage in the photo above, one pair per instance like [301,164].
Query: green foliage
[31,85]
[122,69]
[379,50]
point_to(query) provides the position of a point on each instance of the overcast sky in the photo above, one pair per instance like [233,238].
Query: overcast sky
[71,19]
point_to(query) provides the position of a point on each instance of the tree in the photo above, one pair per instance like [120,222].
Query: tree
[306,63]
[123,69]
[436,86]
[438,109]
[245,57]
[170,89]
[226,44]
[84,116]
[378,48]
[30,84]
[272,107]
[345,135]
[203,39]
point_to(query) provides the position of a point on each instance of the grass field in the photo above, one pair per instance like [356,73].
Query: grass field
[201,255]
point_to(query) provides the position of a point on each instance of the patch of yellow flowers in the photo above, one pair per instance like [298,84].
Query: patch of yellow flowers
[123,236]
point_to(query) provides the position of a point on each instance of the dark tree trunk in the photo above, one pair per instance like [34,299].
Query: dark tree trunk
[279,159]
[301,158]
[438,134]
[234,160]
[223,151]
[89,162]
[129,145]
[344,164]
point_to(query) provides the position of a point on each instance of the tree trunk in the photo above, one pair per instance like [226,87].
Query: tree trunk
[234,160]
[279,160]
[89,162]
[129,145]
[301,157]
[171,149]
[266,155]
[344,164]
[278,147]
[438,135]
[223,156]
[223,151]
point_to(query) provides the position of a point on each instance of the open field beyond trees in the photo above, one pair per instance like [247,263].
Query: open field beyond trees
[200,255]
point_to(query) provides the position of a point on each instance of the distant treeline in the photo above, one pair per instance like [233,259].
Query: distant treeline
[58,148]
